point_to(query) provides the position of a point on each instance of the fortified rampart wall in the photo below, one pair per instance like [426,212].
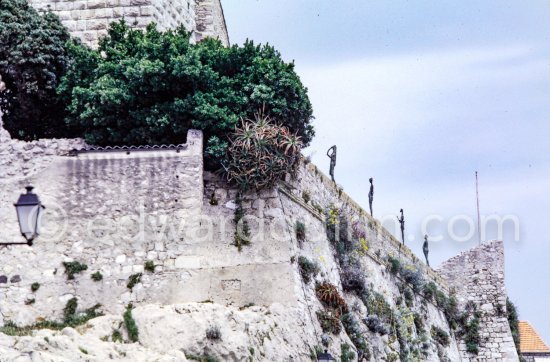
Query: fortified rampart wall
[114,210]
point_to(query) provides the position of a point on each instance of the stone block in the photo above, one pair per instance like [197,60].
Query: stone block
[97,25]
[96,4]
[147,10]
[187,262]
[132,11]
[64,6]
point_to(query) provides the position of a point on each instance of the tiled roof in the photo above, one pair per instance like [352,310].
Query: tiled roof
[530,340]
[131,148]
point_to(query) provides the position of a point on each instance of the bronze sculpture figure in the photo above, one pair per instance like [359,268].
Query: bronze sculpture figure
[371,195]
[425,249]
[402,222]
[332,156]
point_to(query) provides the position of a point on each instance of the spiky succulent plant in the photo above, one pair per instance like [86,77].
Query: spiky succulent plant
[261,153]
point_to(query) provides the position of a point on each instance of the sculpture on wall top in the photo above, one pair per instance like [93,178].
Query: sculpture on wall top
[425,249]
[331,153]
[371,195]
[402,222]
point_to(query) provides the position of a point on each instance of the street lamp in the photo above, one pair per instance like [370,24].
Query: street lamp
[325,357]
[29,211]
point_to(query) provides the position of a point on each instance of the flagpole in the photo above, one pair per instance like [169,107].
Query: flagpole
[478,218]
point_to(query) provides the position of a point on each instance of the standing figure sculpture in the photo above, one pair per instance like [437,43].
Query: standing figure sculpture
[425,249]
[402,222]
[331,153]
[371,195]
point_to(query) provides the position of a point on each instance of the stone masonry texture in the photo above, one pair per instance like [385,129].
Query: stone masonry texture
[90,19]
[115,211]
[477,275]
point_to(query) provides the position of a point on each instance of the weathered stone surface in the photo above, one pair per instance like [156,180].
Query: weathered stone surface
[113,211]
[204,18]
[478,277]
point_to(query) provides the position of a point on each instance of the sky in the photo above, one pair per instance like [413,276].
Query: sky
[419,95]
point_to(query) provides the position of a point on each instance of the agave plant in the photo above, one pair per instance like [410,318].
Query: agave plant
[261,152]
[328,294]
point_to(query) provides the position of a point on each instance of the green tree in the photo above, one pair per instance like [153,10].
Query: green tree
[150,87]
[33,58]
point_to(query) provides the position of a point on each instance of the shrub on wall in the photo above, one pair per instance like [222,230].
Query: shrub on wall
[513,321]
[150,87]
[440,336]
[261,153]
[130,324]
[330,321]
[328,294]
[33,58]
[356,335]
[74,267]
[308,269]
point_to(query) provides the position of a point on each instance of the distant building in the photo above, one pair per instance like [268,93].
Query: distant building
[532,347]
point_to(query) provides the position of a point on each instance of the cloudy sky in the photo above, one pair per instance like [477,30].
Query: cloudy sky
[420,95]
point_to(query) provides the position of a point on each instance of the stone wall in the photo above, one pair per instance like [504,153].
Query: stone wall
[114,210]
[90,19]
[477,276]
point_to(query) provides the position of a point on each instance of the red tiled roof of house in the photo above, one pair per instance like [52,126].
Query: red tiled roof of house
[530,340]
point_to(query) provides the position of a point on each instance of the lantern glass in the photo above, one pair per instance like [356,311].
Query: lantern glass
[29,212]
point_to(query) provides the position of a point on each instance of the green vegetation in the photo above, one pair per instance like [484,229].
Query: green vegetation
[130,324]
[116,336]
[308,269]
[203,358]
[74,267]
[377,305]
[328,295]
[394,265]
[33,58]
[149,266]
[346,353]
[300,229]
[314,352]
[214,333]
[440,336]
[71,319]
[471,334]
[513,320]
[353,330]
[430,290]
[70,309]
[261,153]
[409,273]
[330,321]
[203,86]
[133,280]
[30,301]
[97,276]
[35,286]
[306,196]
[242,230]
[83,350]
[418,323]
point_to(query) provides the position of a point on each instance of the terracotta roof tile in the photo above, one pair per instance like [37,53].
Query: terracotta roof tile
[530,340]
